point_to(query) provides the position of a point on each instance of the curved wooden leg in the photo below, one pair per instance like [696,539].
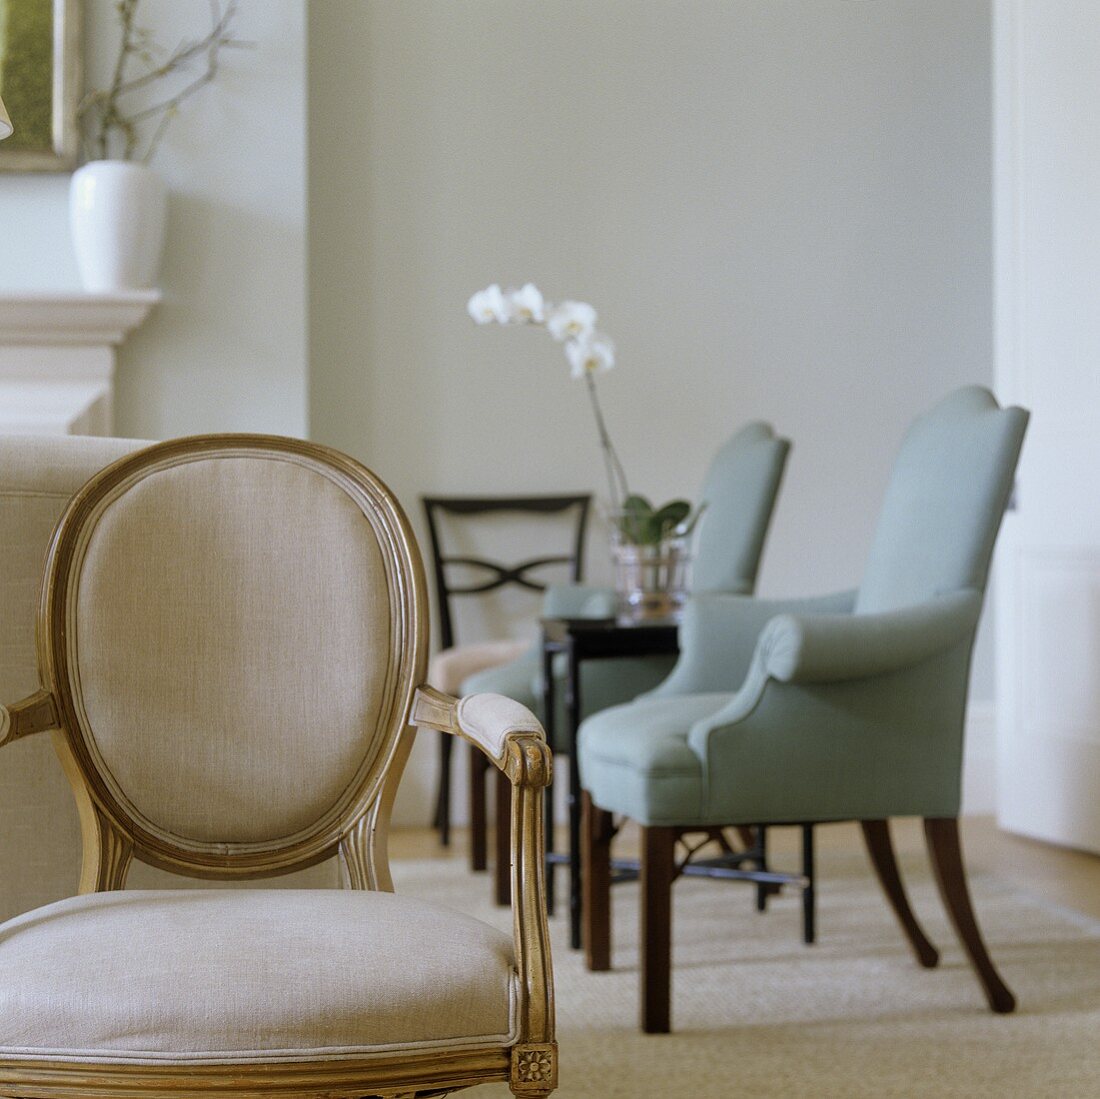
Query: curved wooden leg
[479,844]
[442,820]
[658,871]
[596,834]
[942,835]
[876,835]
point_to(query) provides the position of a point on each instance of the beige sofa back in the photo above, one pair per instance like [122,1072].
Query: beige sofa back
[39,832]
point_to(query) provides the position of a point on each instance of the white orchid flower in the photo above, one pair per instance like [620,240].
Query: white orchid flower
[571,320]
[488,305]
[526,305]
[590,356]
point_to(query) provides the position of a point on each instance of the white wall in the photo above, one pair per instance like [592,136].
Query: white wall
[781,210]
[226,349]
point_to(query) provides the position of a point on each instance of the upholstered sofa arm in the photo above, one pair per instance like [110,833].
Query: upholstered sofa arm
[719,635]
[492,722]
[825,648]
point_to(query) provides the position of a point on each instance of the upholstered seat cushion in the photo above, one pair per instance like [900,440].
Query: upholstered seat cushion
[227,975]
[636,759]
[449,668]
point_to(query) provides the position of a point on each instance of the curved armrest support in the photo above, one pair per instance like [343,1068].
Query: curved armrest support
[511,736]
[36,713]
[827,648]
[719,635]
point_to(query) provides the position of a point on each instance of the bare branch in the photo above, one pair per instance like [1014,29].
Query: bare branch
[137,45]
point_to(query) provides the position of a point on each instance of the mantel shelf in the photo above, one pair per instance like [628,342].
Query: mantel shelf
[57,358]
[49,318]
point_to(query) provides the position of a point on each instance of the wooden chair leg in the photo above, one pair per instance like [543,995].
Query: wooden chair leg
[479,844]
[809,896]
[658,871]
[942,836]
[596,834]
[502,840]
[442,820]
[548,832]
[876,835]
[763,891]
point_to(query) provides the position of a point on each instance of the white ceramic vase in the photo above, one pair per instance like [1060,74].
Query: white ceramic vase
[117,213]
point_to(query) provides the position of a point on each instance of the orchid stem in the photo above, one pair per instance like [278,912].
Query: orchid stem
[616,476]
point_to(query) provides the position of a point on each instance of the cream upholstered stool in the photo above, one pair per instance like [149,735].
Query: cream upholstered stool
[232,637]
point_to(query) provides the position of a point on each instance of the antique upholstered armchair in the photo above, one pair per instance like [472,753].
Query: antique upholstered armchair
[231,634]
[740,490]
[848,707]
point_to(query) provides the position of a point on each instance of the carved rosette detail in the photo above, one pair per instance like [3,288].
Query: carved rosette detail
[535,1067]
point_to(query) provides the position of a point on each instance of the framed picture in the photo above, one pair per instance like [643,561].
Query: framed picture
[40,81]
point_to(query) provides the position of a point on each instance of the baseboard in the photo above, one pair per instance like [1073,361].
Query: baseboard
[980,760]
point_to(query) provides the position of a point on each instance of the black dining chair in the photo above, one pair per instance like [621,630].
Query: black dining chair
[460,573]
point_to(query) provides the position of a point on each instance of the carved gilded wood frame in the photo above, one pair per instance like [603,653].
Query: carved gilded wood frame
[355,829]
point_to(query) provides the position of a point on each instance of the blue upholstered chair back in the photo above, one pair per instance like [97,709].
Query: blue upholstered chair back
[943,507]
[739,492]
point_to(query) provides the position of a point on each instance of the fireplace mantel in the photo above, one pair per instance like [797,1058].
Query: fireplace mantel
[57,358]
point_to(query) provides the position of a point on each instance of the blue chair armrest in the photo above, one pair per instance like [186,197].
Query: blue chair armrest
[719,635]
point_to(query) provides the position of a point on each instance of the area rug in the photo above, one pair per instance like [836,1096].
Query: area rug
[756,1013]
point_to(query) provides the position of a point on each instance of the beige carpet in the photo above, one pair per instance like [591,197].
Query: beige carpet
[755,1013]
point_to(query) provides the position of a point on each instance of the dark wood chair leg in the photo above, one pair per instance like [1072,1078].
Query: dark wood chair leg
[658,871]
[479,843]
[548,832]
[876,835]
[502,857]
[809,897]
[596,834]
[942,835]
[442,820]
[762,891]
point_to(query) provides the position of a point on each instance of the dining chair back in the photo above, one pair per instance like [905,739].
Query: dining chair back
[461,574]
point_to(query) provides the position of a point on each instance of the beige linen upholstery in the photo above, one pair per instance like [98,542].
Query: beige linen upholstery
[449,669]
[207,739]
[491,720]
[144,975]
[39,835]
[232,635]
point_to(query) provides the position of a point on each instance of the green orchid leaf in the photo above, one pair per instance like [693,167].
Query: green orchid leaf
[671,515]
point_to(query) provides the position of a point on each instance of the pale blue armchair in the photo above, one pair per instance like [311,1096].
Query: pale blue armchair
[849,707]
[740,491]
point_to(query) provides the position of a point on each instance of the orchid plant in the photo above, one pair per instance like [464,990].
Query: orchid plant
[589,352]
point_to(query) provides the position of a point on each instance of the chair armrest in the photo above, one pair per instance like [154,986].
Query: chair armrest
[828,648]
[579,601]
[719,634]
[34,714]
[511,736]
[492,722]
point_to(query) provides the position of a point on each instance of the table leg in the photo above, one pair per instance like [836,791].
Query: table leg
[573,720]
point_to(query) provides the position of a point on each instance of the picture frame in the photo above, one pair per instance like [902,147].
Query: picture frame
[41,71]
